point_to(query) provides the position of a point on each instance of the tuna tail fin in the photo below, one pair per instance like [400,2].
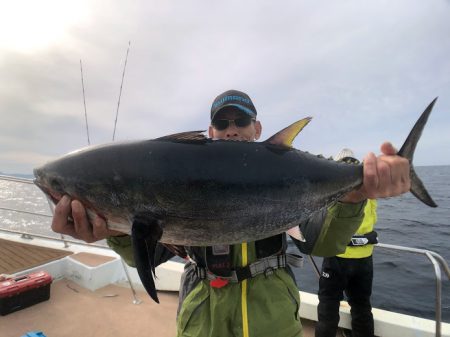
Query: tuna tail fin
[407,151]
[145,234]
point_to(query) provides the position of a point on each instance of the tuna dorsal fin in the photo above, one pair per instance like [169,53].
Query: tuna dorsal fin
[286,136]
[186,137]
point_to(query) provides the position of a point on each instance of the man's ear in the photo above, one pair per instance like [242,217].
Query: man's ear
[210,132]
[258,128]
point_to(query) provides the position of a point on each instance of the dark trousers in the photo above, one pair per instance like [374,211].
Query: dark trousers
[354,277]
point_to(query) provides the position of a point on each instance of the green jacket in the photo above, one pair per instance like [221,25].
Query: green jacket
[260,306]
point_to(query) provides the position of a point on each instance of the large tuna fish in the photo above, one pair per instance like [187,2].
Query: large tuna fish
[186,189]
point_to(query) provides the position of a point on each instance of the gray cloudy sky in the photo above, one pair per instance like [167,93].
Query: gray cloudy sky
[364,70]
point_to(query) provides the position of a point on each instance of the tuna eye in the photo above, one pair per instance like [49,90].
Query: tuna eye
[56,185]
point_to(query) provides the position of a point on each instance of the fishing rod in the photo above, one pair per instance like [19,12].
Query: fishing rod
[84,101]
[316,269]
[120,91]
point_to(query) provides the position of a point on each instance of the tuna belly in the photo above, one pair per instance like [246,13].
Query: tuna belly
[226,230]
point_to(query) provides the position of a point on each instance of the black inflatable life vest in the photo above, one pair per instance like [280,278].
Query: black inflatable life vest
[218,259]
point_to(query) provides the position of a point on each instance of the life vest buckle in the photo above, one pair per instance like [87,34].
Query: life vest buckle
[370,238]
[269,271]
[200,272]
[359,241]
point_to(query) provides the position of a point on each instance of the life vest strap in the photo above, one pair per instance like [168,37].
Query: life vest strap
[264,266]
[370,238]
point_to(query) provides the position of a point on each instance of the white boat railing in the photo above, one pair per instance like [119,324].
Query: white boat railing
[16,179]
[435,259]
[438,261]
[28,235]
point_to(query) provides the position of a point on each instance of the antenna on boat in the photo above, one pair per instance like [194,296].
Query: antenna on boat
[120,92]
[84,101]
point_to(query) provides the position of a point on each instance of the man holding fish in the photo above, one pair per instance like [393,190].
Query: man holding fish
[246,288]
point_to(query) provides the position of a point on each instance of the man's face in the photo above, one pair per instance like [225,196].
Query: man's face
[249,133]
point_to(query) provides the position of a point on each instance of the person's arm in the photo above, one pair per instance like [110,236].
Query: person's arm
[122,245]
[80,228]
[328,232]
[341,222]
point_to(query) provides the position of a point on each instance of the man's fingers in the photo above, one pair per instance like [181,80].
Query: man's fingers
[388,149]
[385,180]
[99,228]
[370,180]
[70,218]
[400,171]
[386,175]
[82,226]
[63,210]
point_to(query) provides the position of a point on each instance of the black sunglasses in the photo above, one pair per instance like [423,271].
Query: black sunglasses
[222,124]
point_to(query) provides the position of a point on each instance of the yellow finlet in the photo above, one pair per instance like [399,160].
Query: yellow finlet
[286,136]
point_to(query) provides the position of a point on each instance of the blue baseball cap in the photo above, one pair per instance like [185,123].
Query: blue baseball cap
[233,98]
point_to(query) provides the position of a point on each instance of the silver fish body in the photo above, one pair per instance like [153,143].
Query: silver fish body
[201,192]
[188,190]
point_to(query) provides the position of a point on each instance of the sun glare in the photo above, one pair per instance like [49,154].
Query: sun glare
[27,25]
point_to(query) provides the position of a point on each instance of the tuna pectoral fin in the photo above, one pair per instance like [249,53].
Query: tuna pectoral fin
[407,151]
[145,234]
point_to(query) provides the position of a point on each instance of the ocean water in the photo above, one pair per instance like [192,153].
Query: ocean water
[403,282]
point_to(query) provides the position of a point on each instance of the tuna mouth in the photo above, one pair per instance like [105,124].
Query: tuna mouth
[49,185]
[52,195]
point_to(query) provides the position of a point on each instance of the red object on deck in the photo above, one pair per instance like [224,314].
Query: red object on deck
[20,292]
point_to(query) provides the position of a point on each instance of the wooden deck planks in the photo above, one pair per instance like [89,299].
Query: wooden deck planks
[16,256]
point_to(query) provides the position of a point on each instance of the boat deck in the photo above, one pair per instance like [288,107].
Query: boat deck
[109,311]
[76,311]
[16,256]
